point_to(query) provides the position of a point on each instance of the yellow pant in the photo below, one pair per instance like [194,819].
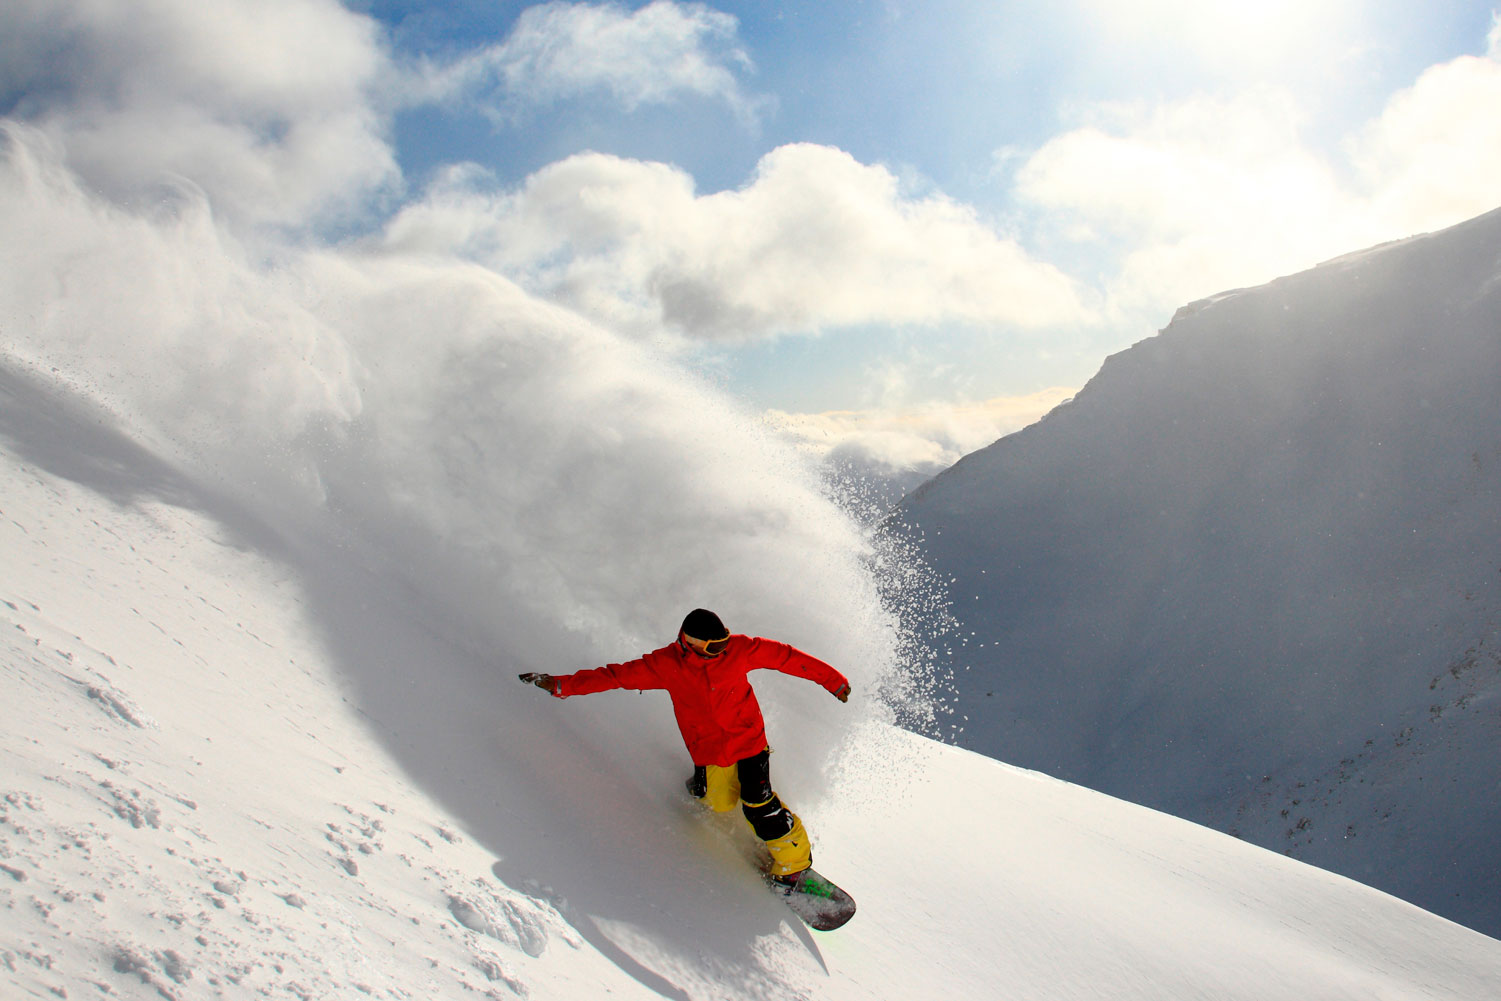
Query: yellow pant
[790,852]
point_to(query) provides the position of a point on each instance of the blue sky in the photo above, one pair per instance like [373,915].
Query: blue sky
[953,98]
[900,209]
[933,87]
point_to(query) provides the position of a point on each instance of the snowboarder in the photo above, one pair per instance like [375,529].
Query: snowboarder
[704,671]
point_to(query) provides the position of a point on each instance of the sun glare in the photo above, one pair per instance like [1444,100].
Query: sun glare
[1223,36]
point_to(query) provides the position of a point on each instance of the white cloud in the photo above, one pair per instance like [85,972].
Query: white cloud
[922,441]
[653,55]
[1434,155]
[815,240]
[1192,197]
[262,103]
[1189,198]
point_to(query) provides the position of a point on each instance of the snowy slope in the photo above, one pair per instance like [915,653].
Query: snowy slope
[1251,575]
[201,799]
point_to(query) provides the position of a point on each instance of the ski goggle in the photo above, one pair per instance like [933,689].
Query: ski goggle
[709,648]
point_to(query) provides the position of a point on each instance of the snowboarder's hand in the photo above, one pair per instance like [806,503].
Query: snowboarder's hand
[546,682]
[843,694]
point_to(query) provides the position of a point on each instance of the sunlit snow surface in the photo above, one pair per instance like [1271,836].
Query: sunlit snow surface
[241,763]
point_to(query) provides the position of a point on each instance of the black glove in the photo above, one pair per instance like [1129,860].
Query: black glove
[546,682]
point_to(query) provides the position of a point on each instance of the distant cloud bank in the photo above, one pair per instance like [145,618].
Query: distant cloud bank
[907,447]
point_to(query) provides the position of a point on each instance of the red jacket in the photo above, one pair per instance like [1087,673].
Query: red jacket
[716,709]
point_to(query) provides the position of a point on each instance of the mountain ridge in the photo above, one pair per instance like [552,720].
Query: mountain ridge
[1245,549]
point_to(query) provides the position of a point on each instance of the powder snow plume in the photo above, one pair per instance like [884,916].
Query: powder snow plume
[561,494]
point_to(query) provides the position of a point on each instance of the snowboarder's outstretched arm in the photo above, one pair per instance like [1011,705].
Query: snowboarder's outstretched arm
[775,656]
[635,674]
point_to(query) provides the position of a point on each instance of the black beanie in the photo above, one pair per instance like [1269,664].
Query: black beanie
[702,624]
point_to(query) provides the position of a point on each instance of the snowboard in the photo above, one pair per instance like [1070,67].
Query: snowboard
[822,905]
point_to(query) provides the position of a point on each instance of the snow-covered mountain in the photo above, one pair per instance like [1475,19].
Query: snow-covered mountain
[241,761]
[1251,575]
